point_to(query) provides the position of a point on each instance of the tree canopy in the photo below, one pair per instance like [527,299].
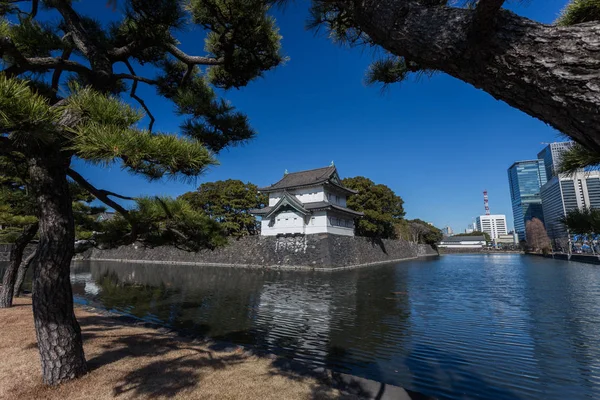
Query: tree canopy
[381,206]
[229,202]
[64,81]
[418,231]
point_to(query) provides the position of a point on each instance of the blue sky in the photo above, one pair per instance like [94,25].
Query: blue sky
[437,142]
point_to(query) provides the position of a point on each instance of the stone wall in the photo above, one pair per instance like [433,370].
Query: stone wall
[321,251]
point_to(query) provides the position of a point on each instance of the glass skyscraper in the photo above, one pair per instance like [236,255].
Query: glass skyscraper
[526,179]
[551,155]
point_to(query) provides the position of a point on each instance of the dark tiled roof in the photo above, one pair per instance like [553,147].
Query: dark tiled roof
[323,205]
[326,205]
[464,239]
[305,178]
[261,211]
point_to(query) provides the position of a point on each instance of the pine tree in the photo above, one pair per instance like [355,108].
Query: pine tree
[547,71]
[60,97]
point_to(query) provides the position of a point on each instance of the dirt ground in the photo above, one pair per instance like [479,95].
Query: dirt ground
[129,361]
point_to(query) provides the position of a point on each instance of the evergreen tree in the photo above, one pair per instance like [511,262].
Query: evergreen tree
[547,71]
[60,90]
[229,203]
[381,206]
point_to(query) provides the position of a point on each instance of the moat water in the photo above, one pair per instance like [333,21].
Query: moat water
[455,327]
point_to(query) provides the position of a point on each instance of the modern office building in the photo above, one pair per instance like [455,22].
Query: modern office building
[525,179]
[493,225]
[551,155]
[564,193]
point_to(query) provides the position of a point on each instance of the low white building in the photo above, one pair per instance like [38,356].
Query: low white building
[463,242]
[308,202]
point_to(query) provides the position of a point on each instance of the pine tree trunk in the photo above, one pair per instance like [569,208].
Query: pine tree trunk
[16,255]
[549,72]
[58,333]
[22,272]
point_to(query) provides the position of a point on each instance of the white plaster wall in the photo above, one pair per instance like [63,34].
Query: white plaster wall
[317,223]
[285,222]
[310,194]
[340,200]
[274,198]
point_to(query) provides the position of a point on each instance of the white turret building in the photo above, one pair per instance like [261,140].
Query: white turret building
[308,202]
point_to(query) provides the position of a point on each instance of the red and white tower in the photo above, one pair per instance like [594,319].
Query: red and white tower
[485,202]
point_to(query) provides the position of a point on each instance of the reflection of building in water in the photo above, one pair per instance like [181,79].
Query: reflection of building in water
[296,317]
[346,320]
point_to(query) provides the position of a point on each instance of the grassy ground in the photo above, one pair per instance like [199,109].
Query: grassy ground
[128,361]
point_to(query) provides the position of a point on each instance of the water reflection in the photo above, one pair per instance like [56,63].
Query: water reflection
[459,327]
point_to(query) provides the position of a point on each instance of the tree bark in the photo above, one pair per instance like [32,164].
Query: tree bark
[22,272]
[16,255]
[58,333]
[552,73]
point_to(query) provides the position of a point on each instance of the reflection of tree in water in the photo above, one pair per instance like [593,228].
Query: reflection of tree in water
[138,299]
[214,301]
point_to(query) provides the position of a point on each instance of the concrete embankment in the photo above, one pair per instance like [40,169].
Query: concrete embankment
[582,258]
[313,252]
[446,250]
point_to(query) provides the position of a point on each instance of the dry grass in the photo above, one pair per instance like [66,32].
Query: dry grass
[128,361]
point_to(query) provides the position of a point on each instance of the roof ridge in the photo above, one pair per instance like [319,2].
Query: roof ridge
[309,170]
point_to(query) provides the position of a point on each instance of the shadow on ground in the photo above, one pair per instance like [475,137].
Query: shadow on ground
[182,362]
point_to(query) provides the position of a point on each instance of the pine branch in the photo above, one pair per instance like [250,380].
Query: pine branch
[101,194]
[36,64]
[136,78]
[192,60]
[485,11]
[65,56]
[133,95]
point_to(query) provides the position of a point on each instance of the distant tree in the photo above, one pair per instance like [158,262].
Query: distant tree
[418,231]
[61,91]
[537,238]
[229,202]
[381,206]
[428,234]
